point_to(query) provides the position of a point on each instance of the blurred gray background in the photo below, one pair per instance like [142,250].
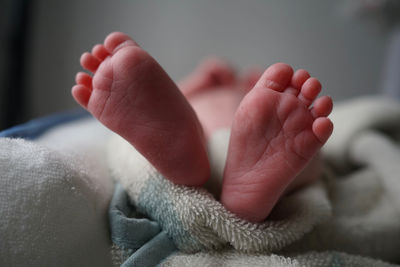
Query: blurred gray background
[345,52]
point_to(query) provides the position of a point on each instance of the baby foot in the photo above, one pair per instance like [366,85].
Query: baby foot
[274,135]
[133,96]
[210,73]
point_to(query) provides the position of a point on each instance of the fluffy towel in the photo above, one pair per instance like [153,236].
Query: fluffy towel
[232,258]
[355,210]
[53,205]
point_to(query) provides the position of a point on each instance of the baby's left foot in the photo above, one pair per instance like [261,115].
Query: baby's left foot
[274,135]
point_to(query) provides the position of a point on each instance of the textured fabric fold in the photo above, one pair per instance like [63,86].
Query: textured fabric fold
[138,241]
[52,211]
[196,221]
[350,218]
[232,258]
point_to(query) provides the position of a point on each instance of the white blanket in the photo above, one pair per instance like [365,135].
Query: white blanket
[54,195]
[355,212]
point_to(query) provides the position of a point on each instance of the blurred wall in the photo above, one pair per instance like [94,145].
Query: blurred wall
[345,53]
[14,32]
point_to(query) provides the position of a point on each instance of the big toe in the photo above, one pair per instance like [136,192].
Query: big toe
[117,40]
[277,77]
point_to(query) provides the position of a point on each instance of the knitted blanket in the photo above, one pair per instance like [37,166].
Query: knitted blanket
[349,218]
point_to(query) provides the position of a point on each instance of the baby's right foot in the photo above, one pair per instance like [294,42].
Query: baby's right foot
[274,135]
[132,95]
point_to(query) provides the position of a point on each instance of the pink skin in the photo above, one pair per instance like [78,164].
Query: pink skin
[250,78]
[274,135]
[212,90]
[132,95]
[211,73]
[274,132]
[216,104]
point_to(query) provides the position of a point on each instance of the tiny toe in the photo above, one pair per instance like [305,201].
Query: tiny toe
[322,107]
[116,40]
[277,77]
[291,90]
[84,79]
[81,94]
[322,128]
[299,77]
[89,62]
[309,91]
[100,52]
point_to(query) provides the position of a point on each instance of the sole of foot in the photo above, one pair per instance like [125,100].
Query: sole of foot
[133,96]
[275,134]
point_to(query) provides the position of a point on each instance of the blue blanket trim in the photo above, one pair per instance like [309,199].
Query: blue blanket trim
[34,128]
[132,231]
